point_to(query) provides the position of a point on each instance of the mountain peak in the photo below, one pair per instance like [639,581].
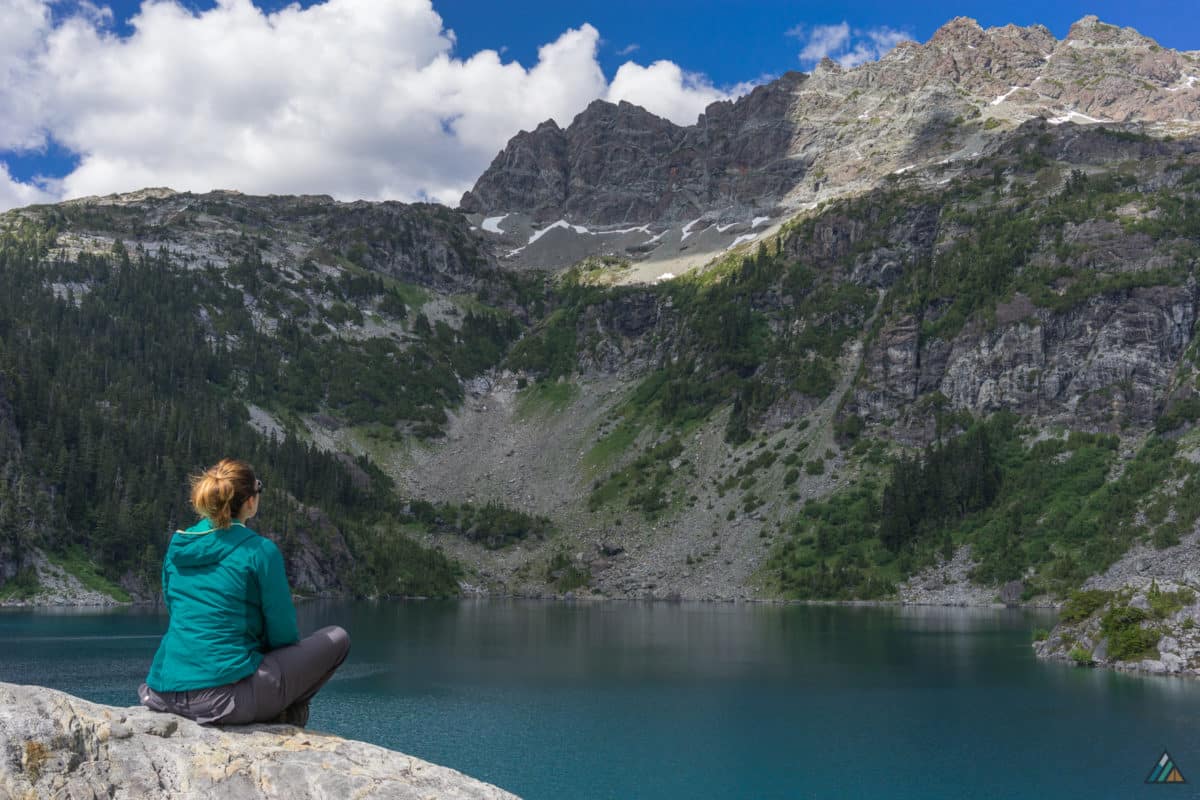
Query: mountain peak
[1091,31]
[958,30]
[827,66]
[608,110]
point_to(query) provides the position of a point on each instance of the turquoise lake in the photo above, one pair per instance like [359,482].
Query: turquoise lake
[658,700]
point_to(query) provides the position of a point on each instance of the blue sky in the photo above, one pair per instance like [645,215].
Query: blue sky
[716,44]
[737,41]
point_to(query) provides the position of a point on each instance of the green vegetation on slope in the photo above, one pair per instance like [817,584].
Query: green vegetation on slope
[1047,506]
[492,524]
[992,260]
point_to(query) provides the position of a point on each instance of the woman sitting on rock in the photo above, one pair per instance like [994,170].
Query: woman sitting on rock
[232,653]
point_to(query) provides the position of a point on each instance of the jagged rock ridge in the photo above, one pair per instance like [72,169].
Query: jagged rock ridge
[803,138]
[620,163]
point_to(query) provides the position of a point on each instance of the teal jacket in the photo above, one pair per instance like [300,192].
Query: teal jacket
[229,604]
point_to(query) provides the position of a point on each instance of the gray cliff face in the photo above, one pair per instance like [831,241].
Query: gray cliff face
[626,335]
[806,138]
[55,745]
[319,561]
[1104,365]
[620,163]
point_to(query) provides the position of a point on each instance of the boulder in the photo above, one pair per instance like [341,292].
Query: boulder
[1172,662]
[55,745]
[1010,593]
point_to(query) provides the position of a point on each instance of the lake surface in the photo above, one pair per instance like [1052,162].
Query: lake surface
[640,700]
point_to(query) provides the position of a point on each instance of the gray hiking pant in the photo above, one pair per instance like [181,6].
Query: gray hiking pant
[286,676]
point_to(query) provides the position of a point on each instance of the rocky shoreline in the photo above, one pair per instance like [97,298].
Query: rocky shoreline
[1154,630]
[1141,615]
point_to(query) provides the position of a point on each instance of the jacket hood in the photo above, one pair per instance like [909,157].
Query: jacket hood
[201,544]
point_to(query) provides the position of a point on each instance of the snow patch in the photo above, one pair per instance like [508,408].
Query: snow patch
[1001,98]
[1189,82]
[687,229]
[745,237]
[562,223]
[723,228]
[903,170]
[759,221]
[1074,116]
[666,276]
[639,229]
[492,224]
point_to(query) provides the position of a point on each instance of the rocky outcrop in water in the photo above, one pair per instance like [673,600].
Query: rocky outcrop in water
[55,745]
[1143,615]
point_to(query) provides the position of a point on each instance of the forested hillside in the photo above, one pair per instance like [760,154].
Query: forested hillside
[121,372]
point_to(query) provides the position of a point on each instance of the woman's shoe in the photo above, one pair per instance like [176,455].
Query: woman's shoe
[295,714]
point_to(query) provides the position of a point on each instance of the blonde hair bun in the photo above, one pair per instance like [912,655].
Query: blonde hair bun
[219,492]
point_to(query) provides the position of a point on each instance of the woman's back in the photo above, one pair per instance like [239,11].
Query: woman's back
[229,601]
[232,652]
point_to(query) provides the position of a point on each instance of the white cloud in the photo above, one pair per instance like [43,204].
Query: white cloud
[665,89]
[629,49]
[355,98]
[824,40]
[24,25]
[847,46]
[14,193]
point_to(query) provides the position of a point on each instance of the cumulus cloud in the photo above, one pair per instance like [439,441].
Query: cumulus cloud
[24,25]
[847,46]
[14,193]
[665,89]
[824,40]
[354,98]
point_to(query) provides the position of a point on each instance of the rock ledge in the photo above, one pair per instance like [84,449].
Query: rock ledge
[55,745]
